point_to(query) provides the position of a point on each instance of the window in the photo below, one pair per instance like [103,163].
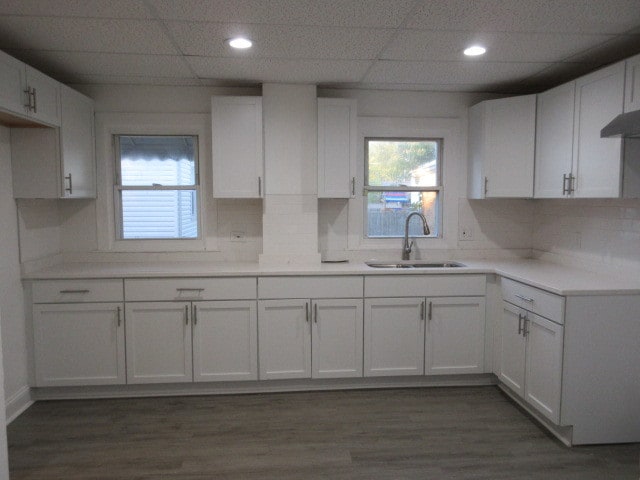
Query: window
[402,176]
[156,191]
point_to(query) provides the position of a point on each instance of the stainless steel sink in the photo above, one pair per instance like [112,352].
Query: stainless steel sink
[414,264]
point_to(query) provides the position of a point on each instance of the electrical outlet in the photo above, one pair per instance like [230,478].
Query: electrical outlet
[465,233]
[237,236]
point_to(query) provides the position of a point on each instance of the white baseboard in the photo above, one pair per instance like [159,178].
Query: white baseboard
[18,403]
[268,386]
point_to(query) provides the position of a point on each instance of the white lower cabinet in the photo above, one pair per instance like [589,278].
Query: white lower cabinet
[79,344]
[225,341]
[394,336]
[303,338]
[159,342]
[531,359]
[454,339]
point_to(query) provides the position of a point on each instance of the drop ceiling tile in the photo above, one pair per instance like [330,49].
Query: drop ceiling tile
[65,64]
[617,48]
[84,34]
[352,13]
[452,73]
[501,47]
[208,39]
[278,70]
[76,8]
[567,16]
[131,80]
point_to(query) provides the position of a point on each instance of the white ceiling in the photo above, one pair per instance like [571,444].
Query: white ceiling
[399,44]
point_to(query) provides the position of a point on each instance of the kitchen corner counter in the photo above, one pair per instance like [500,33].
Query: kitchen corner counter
[555,278]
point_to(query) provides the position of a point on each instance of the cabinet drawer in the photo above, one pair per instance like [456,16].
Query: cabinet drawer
[538,301]
[77,291]
[143,290]
[424,285]
[310,287]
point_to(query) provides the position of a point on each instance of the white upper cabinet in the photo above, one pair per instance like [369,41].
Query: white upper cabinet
[632,84]
[43,94]
[28,93]
[12,85]
[501,148]
[554,142]
[337,124]
[57,162]
[236,142]
[598,161]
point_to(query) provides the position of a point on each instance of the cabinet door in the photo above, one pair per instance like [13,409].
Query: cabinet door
[12,85]
[284,336]
[509,144]
[454,341]
[512,348]
[77,156]
[597,161]
[158,342]
[46,100]
[337,338]
[394,336]
[236,142]
[632,84]
[337,123]
[225,341]
[79,344]
[544,365]
[554,141]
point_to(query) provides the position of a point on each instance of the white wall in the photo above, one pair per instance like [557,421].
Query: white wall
[14,350]
[604,232]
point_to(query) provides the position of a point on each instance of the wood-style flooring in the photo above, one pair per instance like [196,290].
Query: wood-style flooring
[428,433]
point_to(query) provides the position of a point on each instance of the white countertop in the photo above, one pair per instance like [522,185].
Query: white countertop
[555,278]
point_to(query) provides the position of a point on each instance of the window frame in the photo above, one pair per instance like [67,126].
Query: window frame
[439,188]
[118,188]
[453,168]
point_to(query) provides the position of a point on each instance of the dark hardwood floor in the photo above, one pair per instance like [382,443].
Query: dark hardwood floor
[431,433]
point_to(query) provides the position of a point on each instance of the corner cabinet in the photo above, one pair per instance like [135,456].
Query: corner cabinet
[236,143]
[572,160]
[632,84]
[57,162]
[501,148]
[337,135]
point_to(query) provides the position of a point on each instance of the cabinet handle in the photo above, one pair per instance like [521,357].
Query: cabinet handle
[190,289]
[195,315]
[430,314]
[259,186]
[186,314]
[565,190]
[353,186]
[525,330]
[70,189]
[118,309]
[422,310]
[306,312]
[572,180]
[522,297]
[75,291]
[28,105]
[315,312]
[486,181]
[519,323]
[35,100]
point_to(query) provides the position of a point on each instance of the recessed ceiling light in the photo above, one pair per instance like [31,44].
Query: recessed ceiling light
[474,50]
[240,43]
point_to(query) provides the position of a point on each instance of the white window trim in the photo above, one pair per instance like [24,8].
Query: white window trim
[449,130]
[110,124]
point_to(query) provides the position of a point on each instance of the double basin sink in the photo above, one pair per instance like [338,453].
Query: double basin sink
[416,264]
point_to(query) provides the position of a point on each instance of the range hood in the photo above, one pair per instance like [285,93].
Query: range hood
[625,125]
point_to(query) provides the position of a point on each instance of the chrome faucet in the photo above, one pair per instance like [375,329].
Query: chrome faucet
[406,247]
